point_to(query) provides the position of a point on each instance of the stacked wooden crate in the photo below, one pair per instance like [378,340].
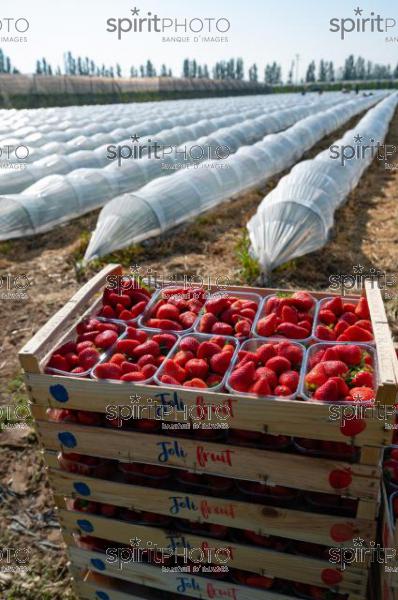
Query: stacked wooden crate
[97,577]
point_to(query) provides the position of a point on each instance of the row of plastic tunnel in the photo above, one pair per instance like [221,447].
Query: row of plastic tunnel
[153,166]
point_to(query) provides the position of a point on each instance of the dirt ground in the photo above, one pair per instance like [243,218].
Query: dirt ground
[366,233]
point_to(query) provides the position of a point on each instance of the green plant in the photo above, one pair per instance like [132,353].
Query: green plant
[250,268]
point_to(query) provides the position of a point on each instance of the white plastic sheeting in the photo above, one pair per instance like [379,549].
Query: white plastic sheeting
[59,198]
[164,203]
[91,151]
[297,216]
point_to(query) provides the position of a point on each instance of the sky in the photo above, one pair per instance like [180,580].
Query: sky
[260,31]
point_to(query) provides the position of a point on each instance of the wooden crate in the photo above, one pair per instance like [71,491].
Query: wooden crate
[389,578]
[309,420]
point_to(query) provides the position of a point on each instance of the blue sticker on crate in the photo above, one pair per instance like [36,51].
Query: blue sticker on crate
[82,488]
[102,596]
[98,564]
[67,439]
[59,393]
[85,525]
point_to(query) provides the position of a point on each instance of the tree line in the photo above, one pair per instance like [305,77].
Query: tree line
[353,69]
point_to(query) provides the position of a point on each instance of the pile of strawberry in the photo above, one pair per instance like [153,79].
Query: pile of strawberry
[176,310]
[200,362]
[229,315]
[126,302]
[137,356]
[343,372]
[287,315]
[270,370]
[94,337]
[344,321]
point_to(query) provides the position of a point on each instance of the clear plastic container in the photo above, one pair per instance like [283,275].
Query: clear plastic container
[85,465]
[331,502]
[119,290]
[86,374]
[278,494]
[239,295]
[188,294]
[205,529]
[106,357]
[261,313]
[321,303]
[144,474]
[351,453]
[201,337]
[251,346]
[324,345]
[252,580]
[211,485]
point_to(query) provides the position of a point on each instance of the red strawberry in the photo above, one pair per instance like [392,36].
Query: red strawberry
[289,379]
[148,347]
[196,382]
[357,334]
[316,357]
[282,390]
[349,353]
[335,305]
[165,340]
[197,367]
[265,352]
[146,359]
[169,380]
[220,362]
[67,348]
[244,356]
[187,319]
[272,305]
[207,349]
[249,313]
[330,354]
[78,370]
[189,343]
[343,388]
[118,358]
[289,314]
[88,358]
[288,350]
[128,367]
[108,371]
[294,332]
[132,333]
[241,378]
[222,329]
[267,325]
[261,387]
[302,301]
[174,370]
[217,305]
[242,329]
[127,346]
[136,310]
[57,361]
[328,392]
[334,368]
[363,394]
[327,316]
[279,364]
[108,312]
[349,318]
[148,370]
[182,357]
[340,327]
[324,333]
[362,309]
[125,315]
[305,325]
[164,324]
[362,378]
[316,377]
[106,339]
[206,322]
[168,311]
[136,376]
[349,307]
[213,380]
[353,427]
[83,345]
[365,324]
[268,374]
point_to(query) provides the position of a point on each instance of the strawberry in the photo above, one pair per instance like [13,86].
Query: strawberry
[324,333]
[108,312]
[83,345]
[196,382]
[305,325]
[78,370]
[328,392]
[316,357]
[136,310]
[282,390]
[67,348]
[57,361]
[207,349]
[132,333]
[330,354]
[190,344]
[248,313]
[289,314]
[182,357]
[174,370]
[169,380]
[106,339]
[197,367]
[122,299]
[272,305]
[148,370]
[244,356]
[241,377]
[362,378]
[213,380]
[127,346]
[349,307]
[362,309]
[206,322]
[187,319]
[242,329]
[316,377]
[334,368]
[343,388]
[136,376]
[222,329]
[168,311]
[340,327]
[349,353]
[293,353]
[268,374]
[357,334]
[165,340]
[261,387]
[220,362]
[335,305]
[72,359]
[365,324]
[294,332]
[217,305]
[118,358]
[146,359]
[302,301]
[264,353]
[279,364]
[164,324]
[219,340]
[327,316]
[267,325]
[108,371]
[125,315]
[289,379]
[148,347]
[349,318]
[363,394]
[127,367]
[88,358]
